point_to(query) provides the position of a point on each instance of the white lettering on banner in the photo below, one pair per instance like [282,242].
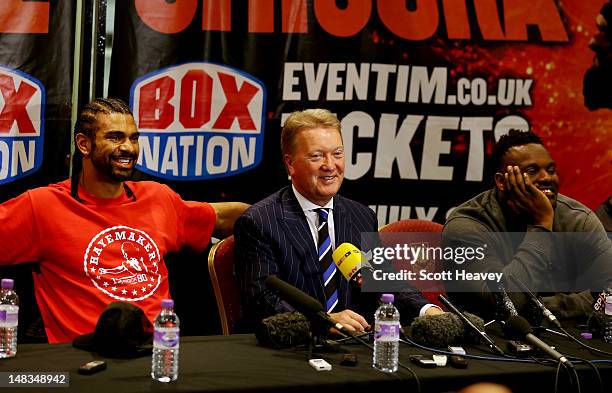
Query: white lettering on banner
[21,124]
[382,79]
[397,83]
[365,126]
[203,155]
[16,158]
[334,81]
[390,134]
[476,126]
[390,213]
[434,146]
[420,82]
[199,121]
[357,81]
[391,144]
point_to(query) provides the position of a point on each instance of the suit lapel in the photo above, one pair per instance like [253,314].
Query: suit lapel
[296,228]
[341,222]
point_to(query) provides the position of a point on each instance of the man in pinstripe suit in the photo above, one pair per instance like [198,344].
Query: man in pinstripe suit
[291,232]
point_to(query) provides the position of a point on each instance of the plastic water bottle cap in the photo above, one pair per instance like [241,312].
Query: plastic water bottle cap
[387,298]
[7,283]
[167,303]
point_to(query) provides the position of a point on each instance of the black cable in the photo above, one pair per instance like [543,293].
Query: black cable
[571,378]
[347,338]
[543,362]
[572,374]
[506,358]
[575,376]
[550,316]
[363,342]
[418,383]
[357,337]
[569,367]
[590,348]
[597,374]
[557,377]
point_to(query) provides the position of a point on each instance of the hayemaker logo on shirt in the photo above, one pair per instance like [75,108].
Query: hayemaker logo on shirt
[123,262]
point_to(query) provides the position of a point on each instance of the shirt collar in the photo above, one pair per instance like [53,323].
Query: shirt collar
[306,205]
[89,198]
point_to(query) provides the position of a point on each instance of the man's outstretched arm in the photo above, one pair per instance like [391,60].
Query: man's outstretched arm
[227,214]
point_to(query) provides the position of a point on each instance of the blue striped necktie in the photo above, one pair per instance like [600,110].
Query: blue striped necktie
[330,278]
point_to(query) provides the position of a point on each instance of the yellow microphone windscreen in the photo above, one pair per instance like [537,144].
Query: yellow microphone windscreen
[348,259]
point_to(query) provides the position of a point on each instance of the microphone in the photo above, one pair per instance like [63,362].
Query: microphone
[519,326]
[283,330]
[547,313]
[309,306]
[505,306]
[305,304]
[351,262]
[469,323]
[442,330]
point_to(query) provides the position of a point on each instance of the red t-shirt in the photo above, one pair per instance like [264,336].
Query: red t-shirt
[99,251]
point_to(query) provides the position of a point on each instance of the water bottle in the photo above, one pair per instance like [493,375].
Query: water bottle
[386,335]
[165,359]
[9,310]
[608,320]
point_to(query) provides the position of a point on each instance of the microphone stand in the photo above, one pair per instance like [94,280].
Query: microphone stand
[469,323]
[317,343]
[536,301]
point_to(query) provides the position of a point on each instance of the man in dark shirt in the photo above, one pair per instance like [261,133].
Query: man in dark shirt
[604,213]
[549,241]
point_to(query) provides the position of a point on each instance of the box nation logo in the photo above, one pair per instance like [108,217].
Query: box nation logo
[22,105]
[198,121]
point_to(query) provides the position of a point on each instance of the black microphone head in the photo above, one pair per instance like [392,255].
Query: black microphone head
[518,326]
[470,335]
[299,300]
[283,330]
[504,307]
[437,331]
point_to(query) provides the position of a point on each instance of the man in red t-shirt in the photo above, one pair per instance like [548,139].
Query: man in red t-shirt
[98,237]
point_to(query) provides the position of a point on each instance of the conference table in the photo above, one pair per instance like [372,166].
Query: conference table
[237,363]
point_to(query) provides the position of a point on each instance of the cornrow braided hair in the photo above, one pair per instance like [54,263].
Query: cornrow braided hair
[86,124]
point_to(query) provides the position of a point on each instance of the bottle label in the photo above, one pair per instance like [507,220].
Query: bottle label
[166,338]
[387,331]
[608,308]
[8,315]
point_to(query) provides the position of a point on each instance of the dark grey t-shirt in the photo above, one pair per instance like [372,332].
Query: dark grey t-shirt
[577,256]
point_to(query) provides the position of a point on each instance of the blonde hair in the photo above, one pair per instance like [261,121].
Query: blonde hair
[306,120]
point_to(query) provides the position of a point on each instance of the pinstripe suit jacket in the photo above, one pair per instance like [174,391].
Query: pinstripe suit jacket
[273,238]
